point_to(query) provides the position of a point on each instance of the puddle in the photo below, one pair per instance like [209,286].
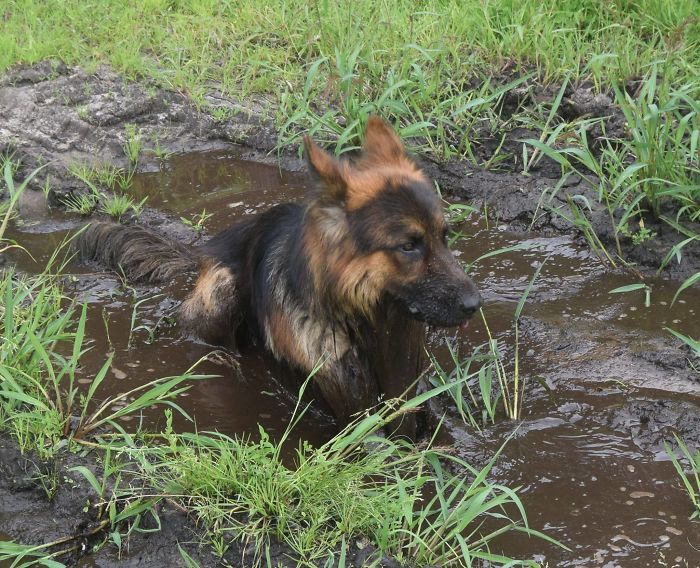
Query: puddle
[220,183]
[589,455]
[593,488]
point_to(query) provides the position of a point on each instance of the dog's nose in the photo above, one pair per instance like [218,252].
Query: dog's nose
[470,303]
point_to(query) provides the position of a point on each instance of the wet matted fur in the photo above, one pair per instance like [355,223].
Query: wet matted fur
[350,276]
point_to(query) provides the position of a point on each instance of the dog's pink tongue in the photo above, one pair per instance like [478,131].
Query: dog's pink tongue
[464,326]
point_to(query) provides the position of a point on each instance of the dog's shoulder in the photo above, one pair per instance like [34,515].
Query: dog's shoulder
[254,234]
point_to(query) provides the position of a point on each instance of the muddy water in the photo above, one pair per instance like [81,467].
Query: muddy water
[606,384]
[220,184]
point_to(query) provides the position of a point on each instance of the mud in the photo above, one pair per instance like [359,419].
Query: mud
[70,512]
[607,386]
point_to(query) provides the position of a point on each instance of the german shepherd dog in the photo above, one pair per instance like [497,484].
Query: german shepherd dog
[349,278]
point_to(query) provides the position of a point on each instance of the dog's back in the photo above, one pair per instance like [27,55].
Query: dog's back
[234,268]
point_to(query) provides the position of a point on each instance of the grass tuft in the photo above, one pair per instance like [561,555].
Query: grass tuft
[487,369]
[401,498]
[651,174]
[690,474]
[118,205]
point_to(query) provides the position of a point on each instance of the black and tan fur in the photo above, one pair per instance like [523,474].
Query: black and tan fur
[350,277]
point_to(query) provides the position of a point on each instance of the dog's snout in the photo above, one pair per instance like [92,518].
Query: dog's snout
[470,303]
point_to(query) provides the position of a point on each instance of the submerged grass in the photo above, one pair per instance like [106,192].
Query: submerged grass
[114,201]
[499,381]
[9,202]
[116,206]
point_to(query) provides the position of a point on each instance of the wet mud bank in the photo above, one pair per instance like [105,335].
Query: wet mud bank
[42,503]
[31,515]
[58,116]
[606,384]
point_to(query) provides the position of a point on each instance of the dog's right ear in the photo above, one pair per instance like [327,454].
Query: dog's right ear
[329,169]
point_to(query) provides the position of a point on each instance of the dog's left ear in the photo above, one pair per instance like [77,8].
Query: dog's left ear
[329,169]
[382,144]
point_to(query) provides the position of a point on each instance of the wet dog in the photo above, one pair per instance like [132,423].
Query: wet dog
[349,278]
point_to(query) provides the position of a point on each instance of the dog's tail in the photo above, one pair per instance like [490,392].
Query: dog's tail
[138,254]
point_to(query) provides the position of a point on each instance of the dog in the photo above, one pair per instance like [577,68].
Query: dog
[344,282]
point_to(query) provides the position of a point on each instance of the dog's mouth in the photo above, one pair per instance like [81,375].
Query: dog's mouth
[461,323]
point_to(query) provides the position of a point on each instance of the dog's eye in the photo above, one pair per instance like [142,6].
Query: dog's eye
[411,246]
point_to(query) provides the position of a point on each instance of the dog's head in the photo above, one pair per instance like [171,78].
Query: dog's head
[378,230]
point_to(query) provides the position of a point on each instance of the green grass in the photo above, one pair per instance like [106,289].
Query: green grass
[403,499]
[103,175]
[650,175]
[329,64]
[429,68]
[118,205]
[10,194]
[693,344]
[22,555]
[114,201]
[81,203]
[485,380]
[260,46]
[197,221]
[664,142]
[133,145]
[688,473]
[400,498]
[656,164]
[43,340]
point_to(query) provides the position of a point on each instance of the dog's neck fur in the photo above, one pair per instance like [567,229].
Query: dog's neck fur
[346,292]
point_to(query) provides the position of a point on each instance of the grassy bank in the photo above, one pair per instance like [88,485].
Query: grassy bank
[428,66]
[252,47]
[440,71]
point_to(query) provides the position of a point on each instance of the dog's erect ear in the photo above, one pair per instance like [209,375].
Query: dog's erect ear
[382,144]
[330,170]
